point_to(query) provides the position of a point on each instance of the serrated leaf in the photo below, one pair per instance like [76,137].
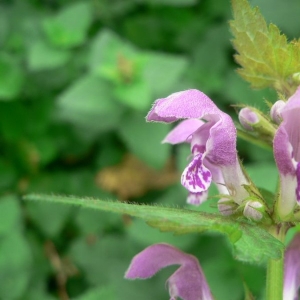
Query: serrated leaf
[250,242]
[267,59]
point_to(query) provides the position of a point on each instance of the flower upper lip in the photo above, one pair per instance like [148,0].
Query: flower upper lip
[213,142]
[188,282]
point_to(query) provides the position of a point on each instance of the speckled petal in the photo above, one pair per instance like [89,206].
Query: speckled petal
[196,178]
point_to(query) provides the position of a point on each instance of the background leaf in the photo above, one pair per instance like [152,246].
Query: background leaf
[145,146]
[69,27]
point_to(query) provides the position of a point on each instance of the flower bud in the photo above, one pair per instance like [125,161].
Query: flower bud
[253,119]
[226,206]
[248,118]
[276,111]
[254,210]
[296,77]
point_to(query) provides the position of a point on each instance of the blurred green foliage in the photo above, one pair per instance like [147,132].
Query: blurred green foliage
[76,81]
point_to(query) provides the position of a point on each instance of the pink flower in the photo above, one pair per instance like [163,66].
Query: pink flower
[292,270]
[212,136]
[188,282]
[287,154]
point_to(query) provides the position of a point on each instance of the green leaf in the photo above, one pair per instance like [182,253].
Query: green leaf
[110,253]
[178,3]
[10,214]
[267,59]
[4,25]
[143,139]
[15,266]
[69,27]
[107,293]
[210,76]
[162,72]
[146,235]
[50,219]
[88,103]
[43,57]
[106,50]
[260,171]
[120,63]
[135,94]
[11,77]
[251,243]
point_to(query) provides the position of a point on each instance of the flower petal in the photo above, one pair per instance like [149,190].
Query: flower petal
[290,114]
[283,151]
[292,270]
[197,198]
[182,133]
[188,282]
[276,109]
[195,104]
[196,178]
[286,165]
[215,141]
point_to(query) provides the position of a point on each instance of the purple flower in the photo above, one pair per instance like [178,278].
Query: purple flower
[212,136]
[287,155]
[292,270]
[188,282]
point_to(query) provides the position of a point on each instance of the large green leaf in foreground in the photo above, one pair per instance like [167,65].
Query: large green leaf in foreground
[250,242]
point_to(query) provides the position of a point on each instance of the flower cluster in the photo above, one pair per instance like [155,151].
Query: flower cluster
[212,137]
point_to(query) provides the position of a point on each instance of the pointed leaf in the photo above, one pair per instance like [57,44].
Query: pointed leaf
[267,59]
[250,242]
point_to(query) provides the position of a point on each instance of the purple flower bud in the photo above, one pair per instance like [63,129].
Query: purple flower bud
[276,109]
[188,282]
[226,206]
[253,210]
[248,118]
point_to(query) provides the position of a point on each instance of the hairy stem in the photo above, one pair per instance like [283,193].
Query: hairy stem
[275,268]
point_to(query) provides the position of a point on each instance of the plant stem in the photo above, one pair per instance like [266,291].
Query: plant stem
[275,268]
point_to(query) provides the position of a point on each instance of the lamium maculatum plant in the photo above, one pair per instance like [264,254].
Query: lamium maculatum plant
[255,223]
